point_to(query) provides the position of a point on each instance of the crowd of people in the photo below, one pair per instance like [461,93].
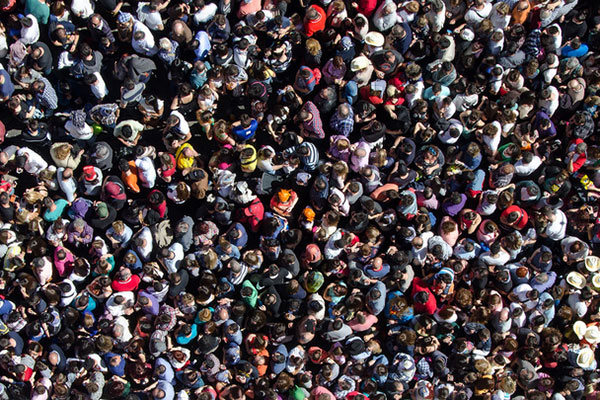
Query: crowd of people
[299,199]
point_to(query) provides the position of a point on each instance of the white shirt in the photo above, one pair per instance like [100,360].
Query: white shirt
[495,47]
[419,255]
[473,17]
[205,14]
[124,324]
[385,22]
[172,264]
[84,133]
[69,186]
[492,142]
[522,169]
[3,46]
[82,8]
[450,110]
[551,105]
[32,34]
[503,258]
[521,291]
[145,252]
[99,89]
[557,229]
[499,21]
[556,42]
[464,102]
[484,208]
[183,126]
[330,251]
[577,305]
[152,19]
[117,310]
[54,237]
[436,20]
[35,163]
[146,46]
[92,189]
[65,60]
[146,172]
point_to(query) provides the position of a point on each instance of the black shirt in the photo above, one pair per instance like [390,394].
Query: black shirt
[103,224]
[7,213]
[45,61]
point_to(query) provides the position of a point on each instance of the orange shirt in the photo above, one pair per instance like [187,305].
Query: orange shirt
[130,180]
[519,17]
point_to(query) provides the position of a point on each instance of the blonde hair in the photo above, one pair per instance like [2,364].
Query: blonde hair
[313,47]
[118,226]
[63,151]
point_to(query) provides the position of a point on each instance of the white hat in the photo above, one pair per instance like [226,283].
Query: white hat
[467,34]
[576,280]
[374,39]
[596,281]
[592,334]
[359,63]
[579,328]
[407,365]
[592,263]
[585,358]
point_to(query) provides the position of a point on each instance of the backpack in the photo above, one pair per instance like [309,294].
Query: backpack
[253,214]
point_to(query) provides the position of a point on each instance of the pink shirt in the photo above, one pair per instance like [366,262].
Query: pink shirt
[370,320]
[65,266]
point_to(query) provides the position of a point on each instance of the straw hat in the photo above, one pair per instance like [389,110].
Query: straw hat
[585,358]
[575,279]
[592,263]
[359,63]
[580,329]
[592,334]
[374,39]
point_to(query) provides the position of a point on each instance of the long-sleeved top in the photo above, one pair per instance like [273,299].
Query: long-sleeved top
[87,235]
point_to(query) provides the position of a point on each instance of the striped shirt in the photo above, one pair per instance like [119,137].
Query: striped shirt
[311,161]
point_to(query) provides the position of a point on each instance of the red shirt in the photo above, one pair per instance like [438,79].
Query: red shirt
[312,27]
[170,171]
[126,286]
[367,7]
[523,217]
[431,305]
[578,159]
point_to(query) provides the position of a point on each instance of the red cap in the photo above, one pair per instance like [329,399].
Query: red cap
[89,173]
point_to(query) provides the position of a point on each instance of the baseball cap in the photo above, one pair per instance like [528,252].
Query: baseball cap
[89,173]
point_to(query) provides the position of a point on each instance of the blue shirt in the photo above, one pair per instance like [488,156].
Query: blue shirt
[183,340]
[246,133]
[7,88]
[568,51]
[169,374]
